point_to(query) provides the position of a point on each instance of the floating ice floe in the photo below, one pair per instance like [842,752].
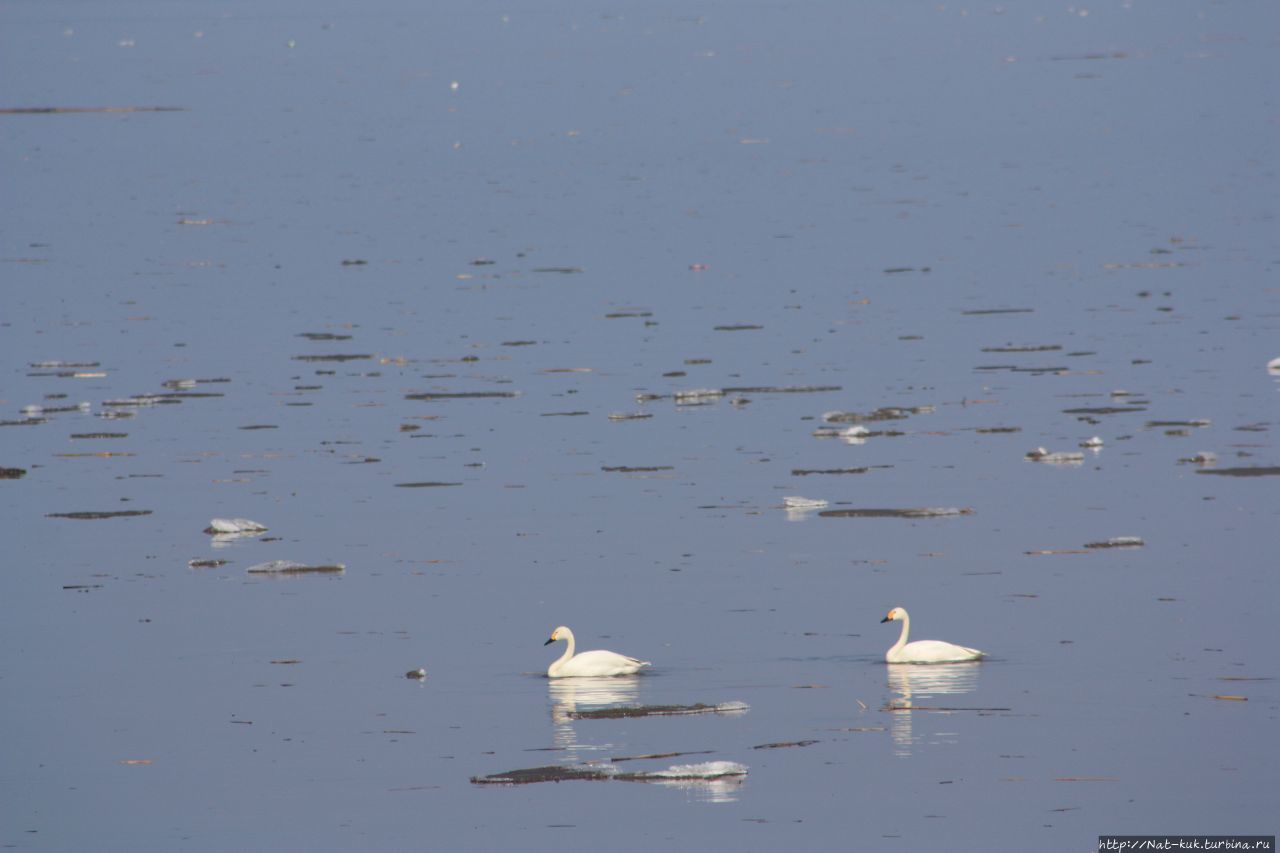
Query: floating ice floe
[234,526]
[849,435]
[855,435]
[908,512]
[701,770]
[290,567]
[35,410]
[1204,457]
[1040,454]
[704,771]
[884,413]
[1273,366]
[1092,443]
[794,502]
[631,711]
[1118,542]
[697,396]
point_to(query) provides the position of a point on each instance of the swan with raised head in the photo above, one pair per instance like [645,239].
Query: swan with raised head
[924,651]
[597,662]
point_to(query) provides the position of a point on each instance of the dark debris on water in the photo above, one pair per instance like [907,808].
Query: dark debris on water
[461,395]
[123,513]
[919,512]
[630,711]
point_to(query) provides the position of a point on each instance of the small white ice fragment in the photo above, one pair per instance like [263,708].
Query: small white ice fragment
[1040,454]
[1118,542]
[703,770]
[1273,366]
[855,435]
[1094,442]
[794,502]
[292,567]
[698,395]
[234,525]
[734,707]
[276,566]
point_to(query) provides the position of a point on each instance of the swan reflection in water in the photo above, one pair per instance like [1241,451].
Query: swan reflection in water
[916,687]
[570,695]
[587,694]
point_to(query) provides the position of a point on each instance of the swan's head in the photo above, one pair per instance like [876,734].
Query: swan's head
[894,615]
[561,633]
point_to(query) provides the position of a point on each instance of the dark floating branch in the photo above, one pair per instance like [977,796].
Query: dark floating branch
[27,111]
[781,389]
[785,744]
[1256,471]
[335,357]
[48,364]
[1104,410]
[707,771]
[618,758]
[804,472]
[1041,348]
[895,707]
[428,484]
[1015,369]
[884,413]
[977,312]
[657,711]
[921,512]
[123,513]
[636,469]
[461,395]
[738,327]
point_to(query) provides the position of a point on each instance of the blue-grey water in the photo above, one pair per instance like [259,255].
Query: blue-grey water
[990,217]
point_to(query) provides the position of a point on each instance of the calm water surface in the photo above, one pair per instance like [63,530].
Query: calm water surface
[998,219]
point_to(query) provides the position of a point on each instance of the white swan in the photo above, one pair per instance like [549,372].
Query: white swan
[924,651]
[598,662]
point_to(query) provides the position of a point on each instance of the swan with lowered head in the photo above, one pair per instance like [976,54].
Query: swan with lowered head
[598,662]
[924,651]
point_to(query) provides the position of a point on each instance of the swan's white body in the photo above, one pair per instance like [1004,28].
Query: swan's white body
[593,663]
[924,651]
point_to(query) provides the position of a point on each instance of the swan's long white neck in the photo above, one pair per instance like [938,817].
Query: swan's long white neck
[568,647]
[906,629]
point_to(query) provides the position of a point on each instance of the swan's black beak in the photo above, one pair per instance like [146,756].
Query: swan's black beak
[885,619]
[549,642]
